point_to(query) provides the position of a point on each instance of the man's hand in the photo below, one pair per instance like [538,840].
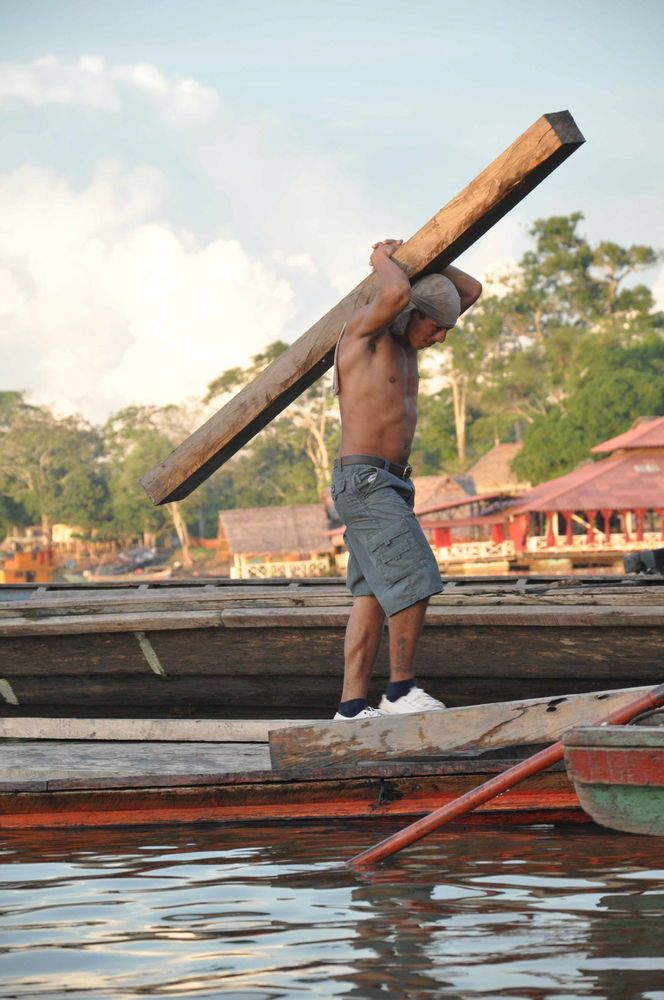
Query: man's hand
[385,248]
[392,293]
[469,288]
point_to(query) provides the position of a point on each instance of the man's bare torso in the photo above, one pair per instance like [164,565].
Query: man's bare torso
[378,385]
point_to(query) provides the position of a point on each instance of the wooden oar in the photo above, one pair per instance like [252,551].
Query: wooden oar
[495,786]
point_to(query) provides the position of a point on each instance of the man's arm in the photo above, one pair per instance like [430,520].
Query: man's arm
[469,288]
[392,294]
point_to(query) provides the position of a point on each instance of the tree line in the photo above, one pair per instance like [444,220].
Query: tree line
[567,349]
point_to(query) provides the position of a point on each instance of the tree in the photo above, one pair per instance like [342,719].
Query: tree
[566,301]
[308,427]
[615,386]
[135,440]
[51,467]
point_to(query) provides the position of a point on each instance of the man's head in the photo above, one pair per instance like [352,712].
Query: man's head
[433,309]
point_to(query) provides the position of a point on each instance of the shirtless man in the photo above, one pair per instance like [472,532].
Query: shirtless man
[391,568]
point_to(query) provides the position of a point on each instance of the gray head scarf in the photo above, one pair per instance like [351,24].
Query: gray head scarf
[436,297]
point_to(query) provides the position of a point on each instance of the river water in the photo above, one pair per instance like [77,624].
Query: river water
[272,911]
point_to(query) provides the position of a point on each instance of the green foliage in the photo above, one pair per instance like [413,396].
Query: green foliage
[274,471]
[49,467]
[569,354]
[134,442]
[615,386]
[434,447]
[289,462]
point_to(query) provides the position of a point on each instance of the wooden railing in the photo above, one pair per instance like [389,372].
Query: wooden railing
[248,569]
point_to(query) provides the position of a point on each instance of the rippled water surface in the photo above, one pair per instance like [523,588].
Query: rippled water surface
[272,911]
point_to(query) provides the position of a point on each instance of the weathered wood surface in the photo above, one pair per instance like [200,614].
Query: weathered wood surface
[537,615]
[501,186]
[120,602]
[616,736]
[428,733]
[144,621]
[282,672]
[64,762]
[144,730]
[264,796]
[554,615]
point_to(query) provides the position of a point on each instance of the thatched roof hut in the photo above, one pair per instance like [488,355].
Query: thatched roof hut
[274,531]
[492,473]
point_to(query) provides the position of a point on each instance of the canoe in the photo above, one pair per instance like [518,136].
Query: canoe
[76,772]
[51,785]
[225,648]
[618,773]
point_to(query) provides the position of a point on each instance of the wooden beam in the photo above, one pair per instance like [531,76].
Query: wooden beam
[144,730]
[459,224]
[475,727]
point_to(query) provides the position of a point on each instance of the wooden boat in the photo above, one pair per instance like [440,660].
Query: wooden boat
[618,773]
[131,772]
[227,648]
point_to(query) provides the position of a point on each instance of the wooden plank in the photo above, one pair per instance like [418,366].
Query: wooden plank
[641,766]
[127,622]
[144,730]
[550,616]
[476,727]
[120,602]
[330,617]
[543,798]
[496,190]
[618,736]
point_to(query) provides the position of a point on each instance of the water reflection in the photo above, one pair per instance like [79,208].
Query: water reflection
[273,912]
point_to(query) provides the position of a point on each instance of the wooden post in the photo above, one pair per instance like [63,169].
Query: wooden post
[551,540]
[607,514]
[459,224]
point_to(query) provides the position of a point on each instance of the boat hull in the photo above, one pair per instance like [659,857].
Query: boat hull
[225,649]
[618,773]
[278,797]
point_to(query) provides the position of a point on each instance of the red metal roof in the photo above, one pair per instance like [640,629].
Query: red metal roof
[628,480]
[648,432]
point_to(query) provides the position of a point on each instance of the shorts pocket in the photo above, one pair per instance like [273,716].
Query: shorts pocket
[394,552]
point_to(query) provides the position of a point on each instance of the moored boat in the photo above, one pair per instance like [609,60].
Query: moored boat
[618,773]
[229,648]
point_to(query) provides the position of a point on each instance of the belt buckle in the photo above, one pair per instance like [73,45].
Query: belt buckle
[407,471]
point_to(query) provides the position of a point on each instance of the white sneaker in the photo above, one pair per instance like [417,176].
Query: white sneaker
[416,700]
[366,713]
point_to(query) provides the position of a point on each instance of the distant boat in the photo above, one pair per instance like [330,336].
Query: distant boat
[136,564]
[104,574]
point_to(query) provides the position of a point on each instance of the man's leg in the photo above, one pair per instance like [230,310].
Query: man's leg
[404,629]
[361,646]
[403,694]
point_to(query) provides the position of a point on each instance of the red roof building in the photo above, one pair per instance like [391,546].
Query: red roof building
[623,491]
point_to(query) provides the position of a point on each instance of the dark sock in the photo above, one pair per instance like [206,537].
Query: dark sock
[352,708]
[397,689]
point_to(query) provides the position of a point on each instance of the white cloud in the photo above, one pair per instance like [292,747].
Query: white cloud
[103,304]
[90,82]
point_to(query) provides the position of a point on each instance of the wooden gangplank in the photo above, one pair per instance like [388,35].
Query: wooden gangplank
[422,734]
[459,224]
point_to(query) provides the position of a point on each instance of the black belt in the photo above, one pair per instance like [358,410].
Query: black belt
[402,471]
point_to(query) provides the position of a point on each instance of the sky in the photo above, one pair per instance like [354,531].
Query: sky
[183,183]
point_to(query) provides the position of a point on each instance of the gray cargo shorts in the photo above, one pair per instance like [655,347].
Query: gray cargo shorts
[389,556]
